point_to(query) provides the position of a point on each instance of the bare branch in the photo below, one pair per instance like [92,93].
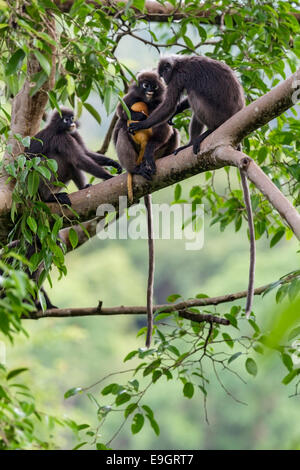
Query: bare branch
[180,307]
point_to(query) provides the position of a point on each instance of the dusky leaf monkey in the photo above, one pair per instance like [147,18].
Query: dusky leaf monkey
[137,154]
[214,94]
[60,141]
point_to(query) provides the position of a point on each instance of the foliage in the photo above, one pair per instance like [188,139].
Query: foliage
[22,424]
[261,42]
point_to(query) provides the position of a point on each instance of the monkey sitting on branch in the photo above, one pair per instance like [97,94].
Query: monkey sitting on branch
[60,141]
[141,138]
[214,94]
[137,154]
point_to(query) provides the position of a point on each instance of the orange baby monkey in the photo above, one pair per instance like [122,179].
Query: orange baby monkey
[141,138]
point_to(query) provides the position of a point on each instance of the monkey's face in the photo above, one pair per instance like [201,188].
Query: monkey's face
[165,70]
[67,123]
[149,89]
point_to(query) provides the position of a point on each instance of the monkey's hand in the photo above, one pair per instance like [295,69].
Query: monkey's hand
[136,126]
[136,116]
[181,148]
[61,198]
[118,167]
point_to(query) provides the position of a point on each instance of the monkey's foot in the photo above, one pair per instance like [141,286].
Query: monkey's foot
[181,148]
[145,169]
[196,146]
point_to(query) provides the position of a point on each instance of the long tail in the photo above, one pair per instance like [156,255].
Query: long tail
[247,200]
[148,205]
[129,187]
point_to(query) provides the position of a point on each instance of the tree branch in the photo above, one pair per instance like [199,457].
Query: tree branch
[27,113]
[155,11]
[216,152]
[180,307]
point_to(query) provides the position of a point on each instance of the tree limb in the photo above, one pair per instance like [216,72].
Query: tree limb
[155,11]
[26,116]
[164,308]
[216,152]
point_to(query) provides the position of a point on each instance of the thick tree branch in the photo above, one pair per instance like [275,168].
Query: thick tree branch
[158,12]
[216,152]
[164,308]
[27,113]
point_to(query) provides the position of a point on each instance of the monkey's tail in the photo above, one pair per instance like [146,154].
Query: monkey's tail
[129,187]
[148,204]
[247,200]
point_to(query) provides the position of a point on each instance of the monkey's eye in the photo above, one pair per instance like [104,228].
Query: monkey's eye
[145,85]
[66,120]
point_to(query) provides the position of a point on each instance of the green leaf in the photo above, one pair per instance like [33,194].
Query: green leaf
[130,355]
[32,224]
[188,390]
[188,42]
[44,172]
[294,333]
[290,376]
[108,389]
[130,409]
[125,107]
[44,63]
[154,365]
[15,372]
[15,62]
[287,361]
[228,340]
[277,237]
[251,366]
[33,183]
[153,423]
[173,297]
[177,192]
[72,392]
[93,112]
[234,357]
[123,397]
[107,98]
[52,164]
[73,237]
[137,423]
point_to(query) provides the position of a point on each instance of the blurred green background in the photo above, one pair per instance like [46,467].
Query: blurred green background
[77,352]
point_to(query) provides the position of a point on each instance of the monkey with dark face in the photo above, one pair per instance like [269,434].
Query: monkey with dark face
[150,90]
[214,94]
[61,141]
[142,99]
